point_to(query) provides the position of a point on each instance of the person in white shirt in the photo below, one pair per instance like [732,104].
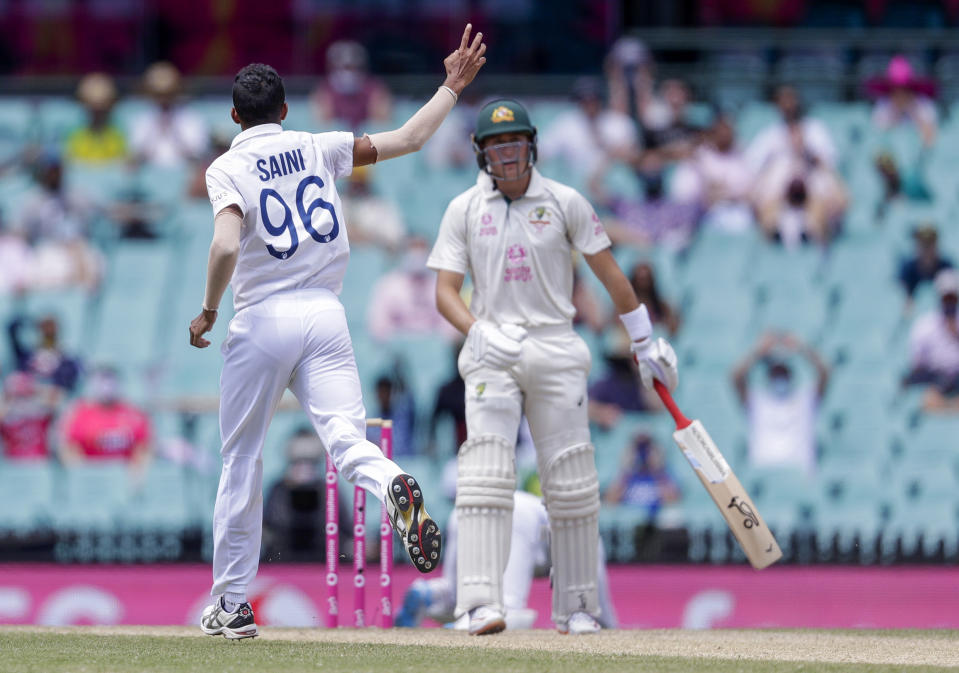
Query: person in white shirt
[718,180]
[588,138]
[167,134]
[774,140]
[514,232]
[904,98]
[782,414]
[934,347]
[280,241]
[401,302]
[797,193]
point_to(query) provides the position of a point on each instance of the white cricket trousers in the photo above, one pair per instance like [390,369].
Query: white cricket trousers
[297,340]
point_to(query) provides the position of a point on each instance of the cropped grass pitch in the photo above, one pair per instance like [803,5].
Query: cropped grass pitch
[142,649]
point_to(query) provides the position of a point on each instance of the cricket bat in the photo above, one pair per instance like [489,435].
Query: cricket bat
[734,503]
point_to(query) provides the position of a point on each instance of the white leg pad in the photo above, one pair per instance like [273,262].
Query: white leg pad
[485,483]
[571,488]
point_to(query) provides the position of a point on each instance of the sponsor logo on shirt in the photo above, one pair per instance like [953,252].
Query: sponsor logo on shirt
[488,228]
[598,229]
[516,269]
[480,389]
[539,218]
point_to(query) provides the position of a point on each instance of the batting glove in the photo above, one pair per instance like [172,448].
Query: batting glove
[496,347]
[657,361]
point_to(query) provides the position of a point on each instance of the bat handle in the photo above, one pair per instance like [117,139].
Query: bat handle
[667,398]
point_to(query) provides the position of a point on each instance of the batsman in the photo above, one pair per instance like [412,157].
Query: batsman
[514,232]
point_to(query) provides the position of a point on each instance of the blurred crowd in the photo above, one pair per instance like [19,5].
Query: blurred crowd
[662,167]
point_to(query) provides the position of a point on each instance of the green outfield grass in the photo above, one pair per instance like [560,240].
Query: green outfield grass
[26,651]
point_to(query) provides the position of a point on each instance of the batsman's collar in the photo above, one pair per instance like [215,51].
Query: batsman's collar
[536,188]
[254,131]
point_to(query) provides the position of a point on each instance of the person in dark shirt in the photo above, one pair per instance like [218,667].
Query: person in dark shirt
[923,266]
[48,364]
[293,528]
[450,401]
[618,391]
[644,481]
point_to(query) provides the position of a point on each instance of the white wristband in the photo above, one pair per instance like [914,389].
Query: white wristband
[452,93]
[637,323]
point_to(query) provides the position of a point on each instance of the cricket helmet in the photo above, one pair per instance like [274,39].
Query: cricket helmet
[503,115]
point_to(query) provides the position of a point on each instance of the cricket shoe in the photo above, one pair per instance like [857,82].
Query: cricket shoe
[420,534]
[485,620]
[579,624]
[232,625]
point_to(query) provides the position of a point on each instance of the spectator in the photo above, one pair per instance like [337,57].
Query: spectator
[136,212]
[403,301]
[643,280]
[16,260]
[26,416]
[56,222]
[618,390]
[349,93]
[105,427]
[373,219]
[667,132]
[925,262]
[588,138]
[643,481]
[168,134]
[656,220]
[219,144]
[780,139]
[716,178]
[395,401]
[99,140]
[934,348]
[51,368]
[797,193]
[629,70]
[293,511]
[898,184]
[450,402]
[903,98]
[782,413]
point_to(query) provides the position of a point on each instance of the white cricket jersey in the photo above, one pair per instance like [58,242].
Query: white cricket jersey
[293,233]
[518,253]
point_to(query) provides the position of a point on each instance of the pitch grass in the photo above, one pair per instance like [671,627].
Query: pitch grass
[75,651]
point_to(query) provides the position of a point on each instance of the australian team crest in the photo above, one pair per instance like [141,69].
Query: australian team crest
[539,217]
[502,114]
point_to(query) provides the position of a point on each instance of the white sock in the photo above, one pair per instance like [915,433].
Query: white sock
[232,600]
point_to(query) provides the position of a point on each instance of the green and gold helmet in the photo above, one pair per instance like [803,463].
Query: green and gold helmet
[503,115]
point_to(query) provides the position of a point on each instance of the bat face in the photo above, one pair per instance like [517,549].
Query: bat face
[737,508]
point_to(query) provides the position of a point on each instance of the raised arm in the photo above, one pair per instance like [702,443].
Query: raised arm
[461,67]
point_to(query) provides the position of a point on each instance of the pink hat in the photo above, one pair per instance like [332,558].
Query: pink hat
[899,75]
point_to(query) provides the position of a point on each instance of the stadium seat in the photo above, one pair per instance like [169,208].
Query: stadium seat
[92,497]
[26,496]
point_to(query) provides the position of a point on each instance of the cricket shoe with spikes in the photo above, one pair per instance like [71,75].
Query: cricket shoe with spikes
[232,625]
[420,534]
